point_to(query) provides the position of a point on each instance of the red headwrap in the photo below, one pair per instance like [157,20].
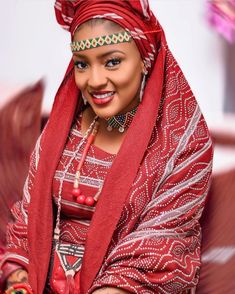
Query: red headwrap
[134,16]
[165,124]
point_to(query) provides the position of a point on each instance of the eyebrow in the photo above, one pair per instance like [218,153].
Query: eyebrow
[100,56]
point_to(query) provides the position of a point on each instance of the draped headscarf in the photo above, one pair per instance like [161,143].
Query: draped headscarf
[136,17]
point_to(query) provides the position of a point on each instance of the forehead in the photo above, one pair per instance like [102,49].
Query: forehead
[88,31]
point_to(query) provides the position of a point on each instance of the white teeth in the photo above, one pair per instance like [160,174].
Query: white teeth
[106,95]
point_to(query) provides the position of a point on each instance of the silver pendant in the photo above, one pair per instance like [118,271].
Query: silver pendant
[121,129]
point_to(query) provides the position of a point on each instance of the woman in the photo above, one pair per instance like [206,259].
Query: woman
[121,171]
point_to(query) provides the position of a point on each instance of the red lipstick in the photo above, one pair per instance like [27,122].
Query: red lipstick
[102,97]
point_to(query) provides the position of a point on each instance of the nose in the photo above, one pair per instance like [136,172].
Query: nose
[97,78]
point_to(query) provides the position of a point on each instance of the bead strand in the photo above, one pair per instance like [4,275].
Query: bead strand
[76,192]
[57,227]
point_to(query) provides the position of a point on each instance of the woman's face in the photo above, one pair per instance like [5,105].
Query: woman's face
[108,76]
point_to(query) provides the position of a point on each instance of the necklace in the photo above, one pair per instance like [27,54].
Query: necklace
[70,270]
[121,121]
[76,192]
[88,132]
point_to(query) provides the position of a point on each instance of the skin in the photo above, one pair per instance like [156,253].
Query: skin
[18,276]
[110,290]
[118,68]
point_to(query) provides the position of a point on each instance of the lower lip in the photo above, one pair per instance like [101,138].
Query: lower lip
[102,101]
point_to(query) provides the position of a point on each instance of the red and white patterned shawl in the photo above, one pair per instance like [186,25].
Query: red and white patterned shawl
[145,234]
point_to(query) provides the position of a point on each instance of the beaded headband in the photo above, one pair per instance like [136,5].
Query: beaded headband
[116,38]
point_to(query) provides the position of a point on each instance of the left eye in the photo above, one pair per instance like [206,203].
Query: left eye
[113,62]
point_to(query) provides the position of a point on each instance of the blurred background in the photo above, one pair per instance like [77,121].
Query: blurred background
[201,35]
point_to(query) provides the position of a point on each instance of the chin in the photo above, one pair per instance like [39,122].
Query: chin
[104,115]
[105,112]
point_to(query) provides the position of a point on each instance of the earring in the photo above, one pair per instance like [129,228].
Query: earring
[84,99]
[143,85]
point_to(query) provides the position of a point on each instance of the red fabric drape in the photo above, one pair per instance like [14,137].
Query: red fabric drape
[168,117]
[134,16]
[61,119]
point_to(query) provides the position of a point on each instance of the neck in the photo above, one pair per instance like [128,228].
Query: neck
[105,140]
[118,123]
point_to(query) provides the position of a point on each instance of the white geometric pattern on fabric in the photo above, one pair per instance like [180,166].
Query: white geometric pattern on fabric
[112,15]
[145,5]
[167,228]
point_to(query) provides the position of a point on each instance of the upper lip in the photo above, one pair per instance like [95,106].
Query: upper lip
[100,92]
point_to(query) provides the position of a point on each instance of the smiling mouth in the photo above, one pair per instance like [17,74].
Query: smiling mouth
[102,97]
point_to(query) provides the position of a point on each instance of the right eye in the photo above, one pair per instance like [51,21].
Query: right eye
[80,65]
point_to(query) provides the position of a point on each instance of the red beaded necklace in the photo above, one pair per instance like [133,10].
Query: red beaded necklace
[76,192]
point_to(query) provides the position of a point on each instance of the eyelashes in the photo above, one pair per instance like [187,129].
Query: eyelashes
[111,63]
[80,65]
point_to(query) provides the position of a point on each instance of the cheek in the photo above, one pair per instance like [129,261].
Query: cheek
[129,78]
[79,80]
